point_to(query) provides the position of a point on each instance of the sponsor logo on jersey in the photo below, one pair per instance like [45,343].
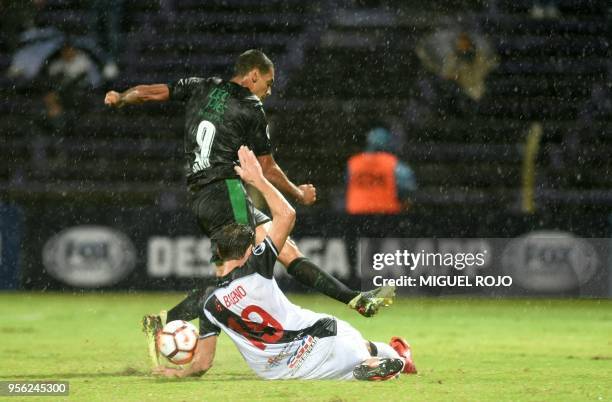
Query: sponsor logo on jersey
[301,353]
[286,352]
[277,359]
[260,248]
[234,296]
[89,256]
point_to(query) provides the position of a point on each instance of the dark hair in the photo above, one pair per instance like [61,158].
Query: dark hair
[232,240]
[251,59]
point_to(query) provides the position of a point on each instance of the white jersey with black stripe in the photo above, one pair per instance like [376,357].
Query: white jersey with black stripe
[275,336]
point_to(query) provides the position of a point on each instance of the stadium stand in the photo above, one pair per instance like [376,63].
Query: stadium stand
[340,65]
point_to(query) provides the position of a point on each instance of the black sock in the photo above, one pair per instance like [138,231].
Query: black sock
[189,308]
[307,273]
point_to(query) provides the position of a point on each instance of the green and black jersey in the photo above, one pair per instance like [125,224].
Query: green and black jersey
[220,117]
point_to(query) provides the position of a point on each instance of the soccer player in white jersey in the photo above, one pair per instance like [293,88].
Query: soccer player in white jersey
[278,339]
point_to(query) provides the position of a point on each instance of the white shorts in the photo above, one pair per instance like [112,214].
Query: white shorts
[343,352]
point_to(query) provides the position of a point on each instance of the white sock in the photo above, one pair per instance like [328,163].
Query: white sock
[385,350]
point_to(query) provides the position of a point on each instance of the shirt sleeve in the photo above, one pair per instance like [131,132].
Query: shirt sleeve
[405,180]
[182,89]
[260,142]
[264,257]
[207,328]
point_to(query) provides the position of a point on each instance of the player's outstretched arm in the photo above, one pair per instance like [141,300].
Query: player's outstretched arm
[138,94]
[283,214]
[305,194]
[201,363]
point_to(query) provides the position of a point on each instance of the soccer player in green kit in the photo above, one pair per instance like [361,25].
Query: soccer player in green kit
[220,117]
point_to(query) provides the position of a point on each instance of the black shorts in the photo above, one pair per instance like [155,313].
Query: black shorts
[223,202]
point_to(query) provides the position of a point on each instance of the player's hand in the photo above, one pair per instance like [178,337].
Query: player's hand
[249,169]
[309,194]
[113,98]
[169,372]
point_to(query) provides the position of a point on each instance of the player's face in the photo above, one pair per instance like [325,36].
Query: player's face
[262,85]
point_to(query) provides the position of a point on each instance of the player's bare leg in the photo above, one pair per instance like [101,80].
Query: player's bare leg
[309,274]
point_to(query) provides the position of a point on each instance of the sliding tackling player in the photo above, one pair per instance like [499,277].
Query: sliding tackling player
[278,339]
[220,117]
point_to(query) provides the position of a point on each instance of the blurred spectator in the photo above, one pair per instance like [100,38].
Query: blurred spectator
[74,69]
[70,76]
[453,81]
[65,83]
[461,57]
[48,50]
[582,149]
[107,17]
[377,181]
[587,136]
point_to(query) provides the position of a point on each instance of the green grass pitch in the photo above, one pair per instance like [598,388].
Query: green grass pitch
[465,350]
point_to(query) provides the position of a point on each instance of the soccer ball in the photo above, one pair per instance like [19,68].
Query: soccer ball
[177,341]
